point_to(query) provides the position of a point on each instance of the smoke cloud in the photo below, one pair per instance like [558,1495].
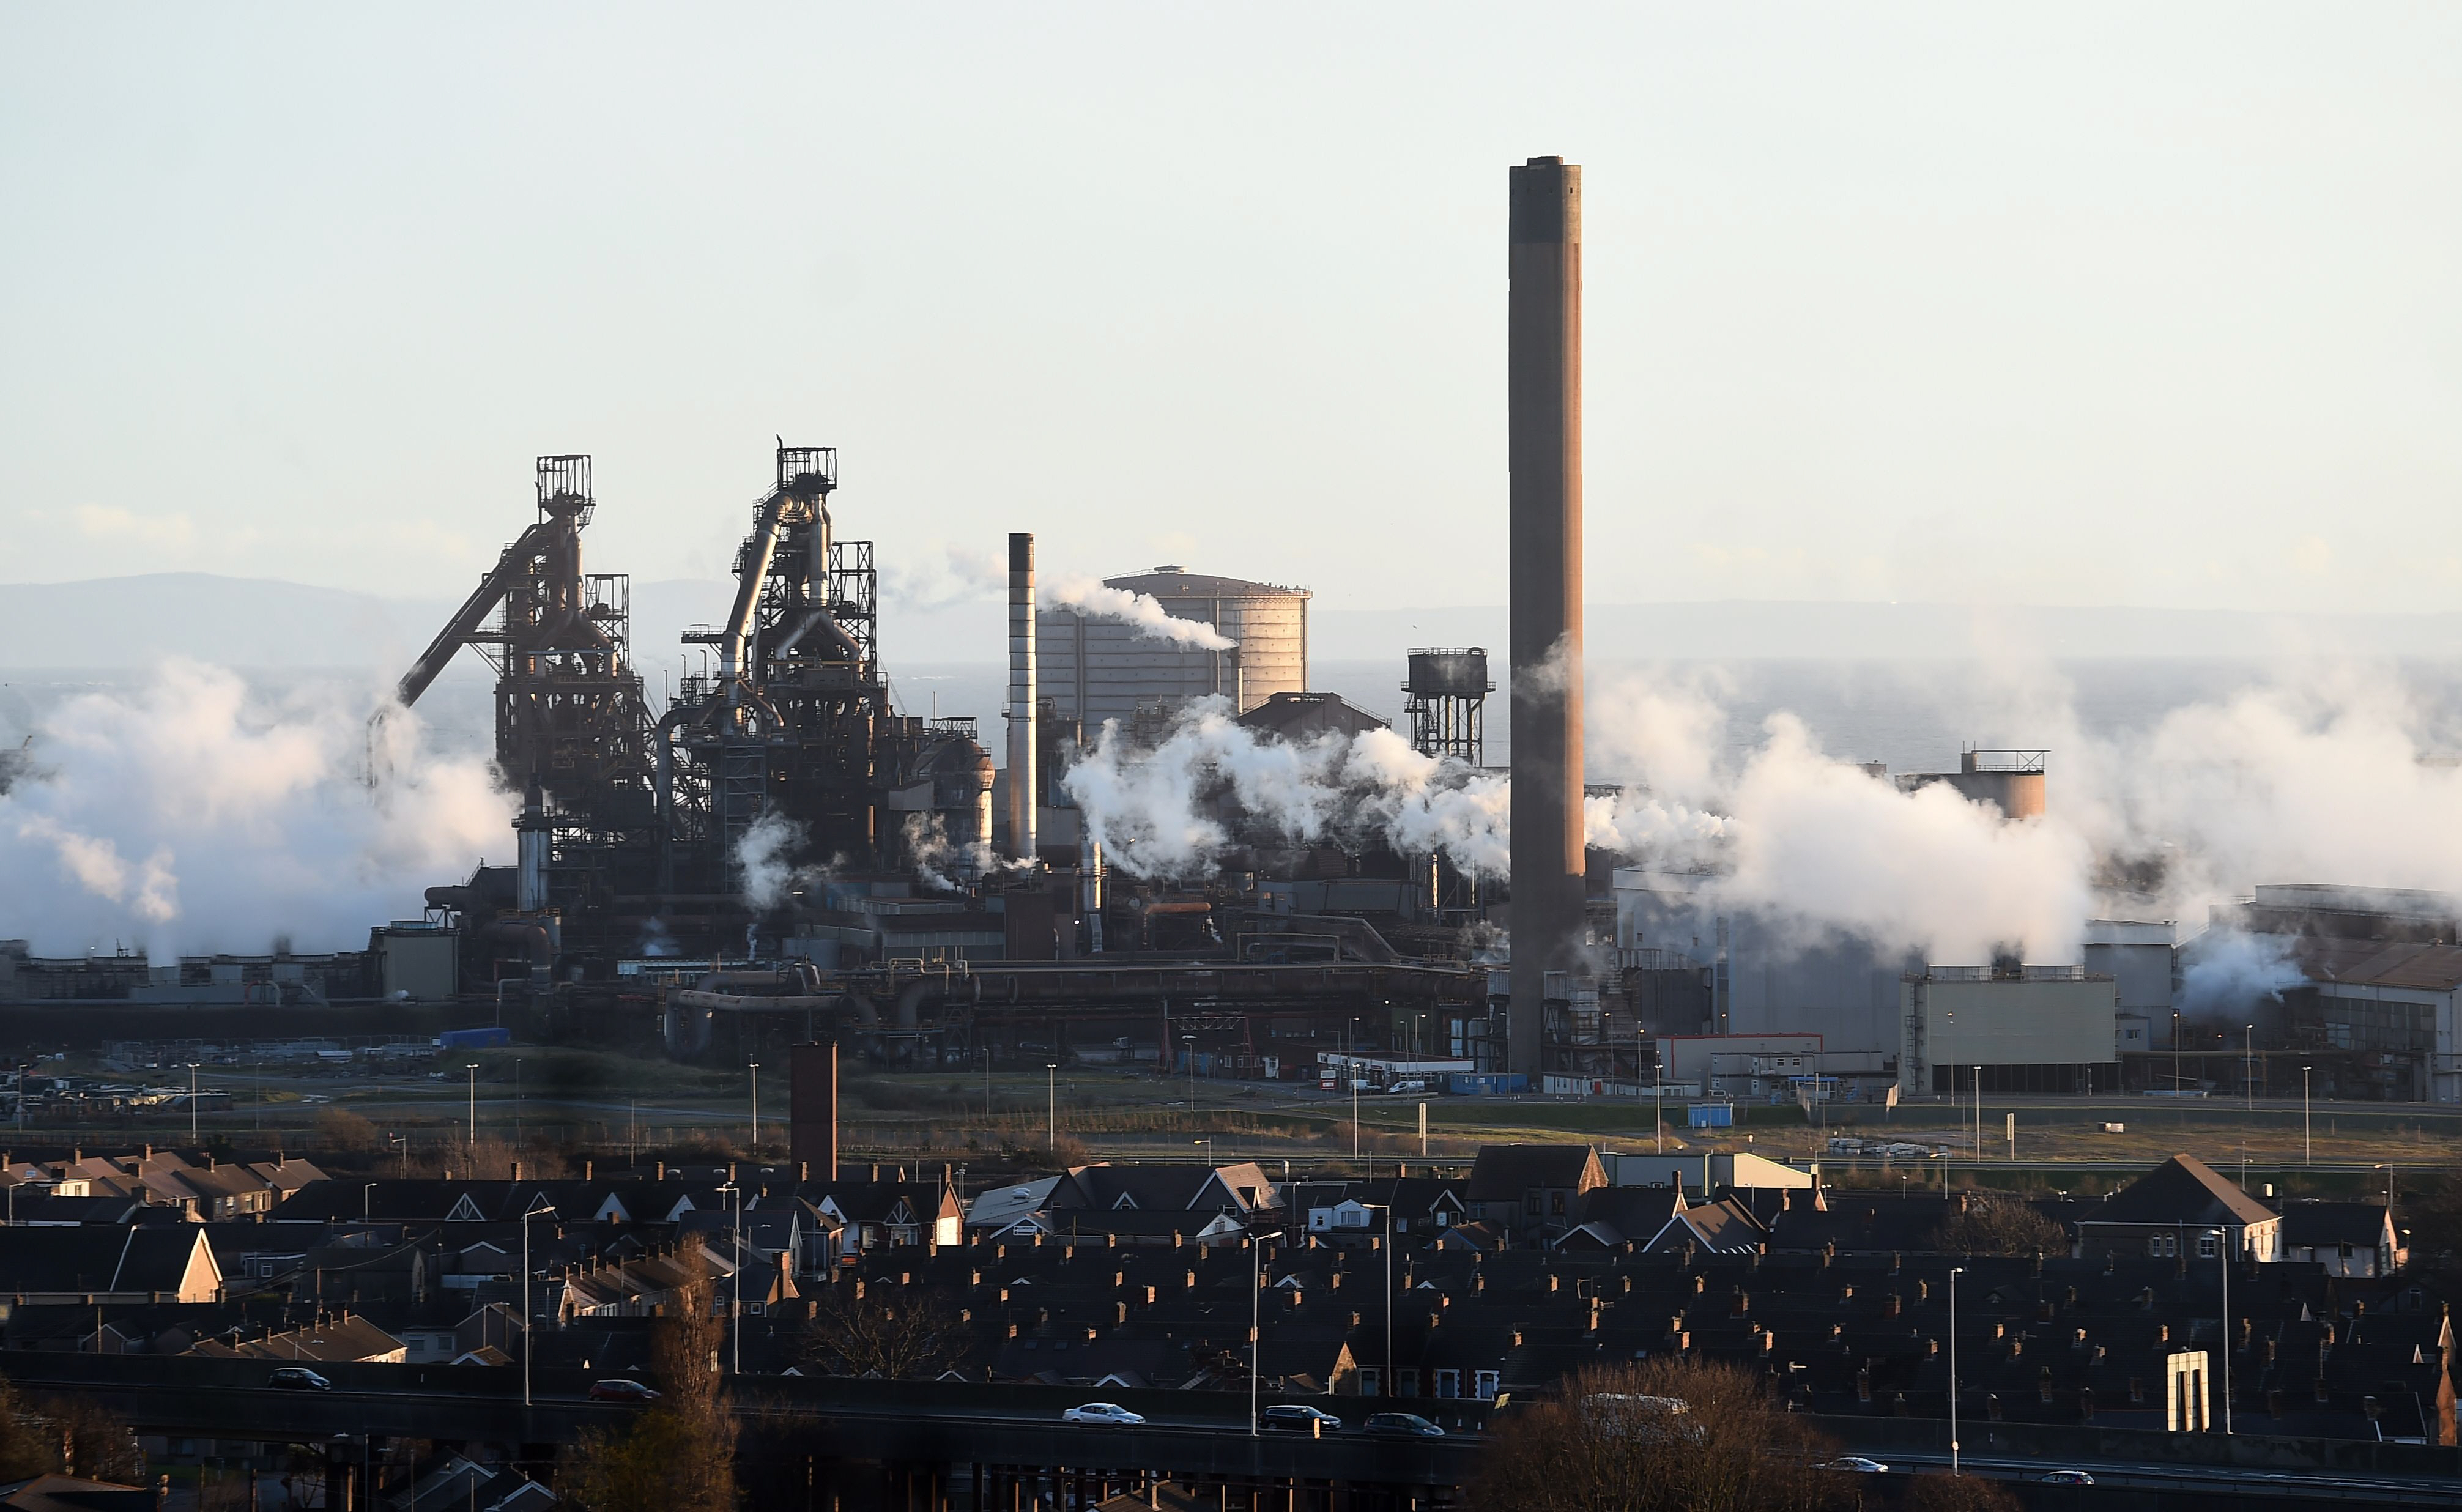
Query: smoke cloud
[191,816]
[1141,611]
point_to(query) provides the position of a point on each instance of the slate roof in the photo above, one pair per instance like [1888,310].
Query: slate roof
[134,1259]
[2183,1190]
[2309,1224]
[1504,1172]
[70,1494]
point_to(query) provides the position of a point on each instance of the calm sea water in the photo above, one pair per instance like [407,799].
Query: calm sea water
[1911,715]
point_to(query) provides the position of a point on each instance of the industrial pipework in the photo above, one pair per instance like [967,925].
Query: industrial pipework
[1544,386]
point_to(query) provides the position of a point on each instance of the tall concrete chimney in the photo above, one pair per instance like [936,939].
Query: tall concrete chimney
[1543,353]
[812,1106]
[1021,786]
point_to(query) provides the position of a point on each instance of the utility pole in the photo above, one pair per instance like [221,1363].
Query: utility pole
[2248,1064]
[735,1322]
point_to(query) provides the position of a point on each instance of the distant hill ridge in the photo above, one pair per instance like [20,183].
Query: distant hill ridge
[267,623]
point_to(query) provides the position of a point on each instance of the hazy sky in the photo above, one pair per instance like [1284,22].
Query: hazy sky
[2059,304]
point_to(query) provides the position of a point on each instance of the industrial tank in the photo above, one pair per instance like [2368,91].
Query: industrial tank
[959,771]
[2010,781]
[1095,669]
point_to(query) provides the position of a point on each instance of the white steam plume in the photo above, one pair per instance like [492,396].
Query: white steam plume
[2320,781]
[1153,811]
[764,853]
[947,864]
[2225,970]
[190,818]
[1143,611]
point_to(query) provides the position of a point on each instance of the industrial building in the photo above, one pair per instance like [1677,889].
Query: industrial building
[1759,973]
[635,826]
[2372,1013]
[2007,1028]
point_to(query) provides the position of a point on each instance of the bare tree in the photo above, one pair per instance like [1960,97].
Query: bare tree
[1661,1435]
[1990,1223]
[1939,1491]
[680,1455]
[909,1337]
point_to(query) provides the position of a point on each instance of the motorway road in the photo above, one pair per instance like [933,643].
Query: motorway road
[2212,1480]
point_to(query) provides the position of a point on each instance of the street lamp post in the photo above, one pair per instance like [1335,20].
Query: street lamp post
[1385,1382]
[1190,1040]
[756,1109]
[525,1298]
[367,1194]
[473,1067]
[192,1102]
[401,1142]
[1256,1319]
[2307,1150]
[2248,1064]
[1051,1103]
[1659,1090]
[1954,1271]
[2223,1247]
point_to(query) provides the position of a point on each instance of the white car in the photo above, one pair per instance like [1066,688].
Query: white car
[1858,1464]
[1110,1414]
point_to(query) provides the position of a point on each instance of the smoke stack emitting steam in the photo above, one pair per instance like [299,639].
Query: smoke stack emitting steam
[1020,695]
[1544,354]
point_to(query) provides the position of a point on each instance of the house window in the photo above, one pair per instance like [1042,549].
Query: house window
[1407,1382]
[2207,1247]
[1484,1384]
[1556,1204]
[1371,1381]
[1443,1218]
[1449,1384]
[1530,1204]
[2346,1251]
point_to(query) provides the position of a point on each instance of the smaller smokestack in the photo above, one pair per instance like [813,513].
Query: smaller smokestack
[1022,788]
[530,880]
[812,1108]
